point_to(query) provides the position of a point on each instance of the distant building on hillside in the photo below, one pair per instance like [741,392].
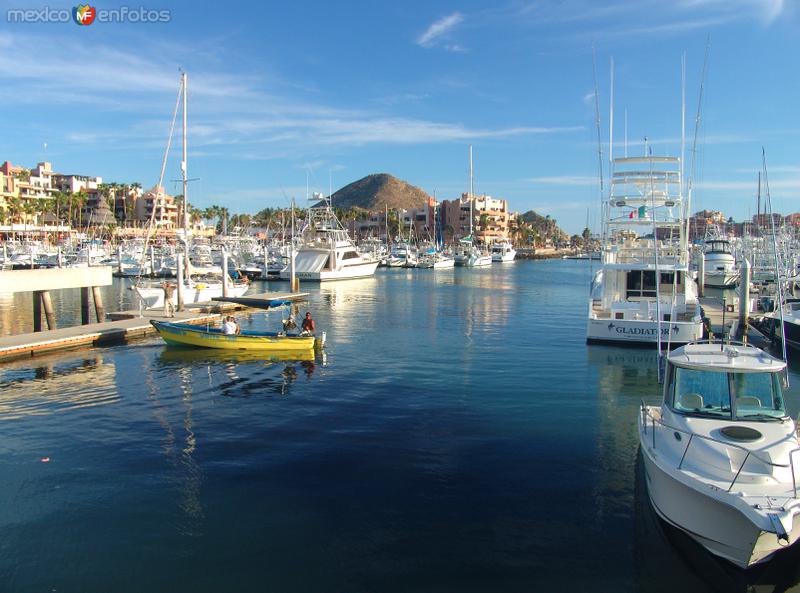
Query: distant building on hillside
[22,192]
[490,218]
[166,211]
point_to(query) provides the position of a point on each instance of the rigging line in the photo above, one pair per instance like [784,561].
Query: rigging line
[160,181]
[778,282]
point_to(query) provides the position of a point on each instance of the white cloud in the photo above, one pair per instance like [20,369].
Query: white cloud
[751,185]
[440,29]
[571,180]
[765,10]
[225,110]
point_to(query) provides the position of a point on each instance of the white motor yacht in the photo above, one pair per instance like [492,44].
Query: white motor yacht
[503,251]
[721,453]
[327,252]
[644,291]
[720,264]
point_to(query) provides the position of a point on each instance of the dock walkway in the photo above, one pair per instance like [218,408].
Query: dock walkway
[95,334]
[125,325]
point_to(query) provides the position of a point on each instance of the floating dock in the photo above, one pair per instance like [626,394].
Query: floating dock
[96,334]
[126,325]
[721,316]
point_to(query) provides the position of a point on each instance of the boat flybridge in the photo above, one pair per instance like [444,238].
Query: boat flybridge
[721,453]
[720,263]
[503,251]
[643,292]
[327,252]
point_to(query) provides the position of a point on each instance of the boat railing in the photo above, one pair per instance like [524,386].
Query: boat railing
[645,412]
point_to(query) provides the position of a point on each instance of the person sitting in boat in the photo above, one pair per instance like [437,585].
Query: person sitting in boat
[230,327]
[308,325]
[289,323]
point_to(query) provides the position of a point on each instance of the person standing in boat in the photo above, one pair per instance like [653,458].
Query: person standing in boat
[308,325]
[169,306]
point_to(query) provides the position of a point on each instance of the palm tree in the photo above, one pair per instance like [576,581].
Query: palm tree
[30,208]
[46,206]
[79,200]
[14,208]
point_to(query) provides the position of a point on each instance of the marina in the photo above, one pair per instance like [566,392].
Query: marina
[355,298]
[362,452]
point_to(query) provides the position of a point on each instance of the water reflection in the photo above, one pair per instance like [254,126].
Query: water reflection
[237,384]
[56,384]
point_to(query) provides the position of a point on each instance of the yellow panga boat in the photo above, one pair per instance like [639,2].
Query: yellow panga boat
[184,334]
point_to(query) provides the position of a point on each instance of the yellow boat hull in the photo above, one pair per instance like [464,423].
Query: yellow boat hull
[185,336]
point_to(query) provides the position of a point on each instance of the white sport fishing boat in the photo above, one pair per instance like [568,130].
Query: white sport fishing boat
[327,252]
[644,292]
[720,264]
[720,452]
[503,251]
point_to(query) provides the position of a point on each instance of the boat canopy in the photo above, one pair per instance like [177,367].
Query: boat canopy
[734,358]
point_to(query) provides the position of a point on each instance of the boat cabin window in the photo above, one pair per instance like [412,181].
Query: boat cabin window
[738,396]
[349,255]
[641,283]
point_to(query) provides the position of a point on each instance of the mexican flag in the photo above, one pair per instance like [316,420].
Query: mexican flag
[640,213]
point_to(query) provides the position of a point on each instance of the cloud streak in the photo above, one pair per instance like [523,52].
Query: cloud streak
[439,30]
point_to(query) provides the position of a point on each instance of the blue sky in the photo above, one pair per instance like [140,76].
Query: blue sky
[348,89]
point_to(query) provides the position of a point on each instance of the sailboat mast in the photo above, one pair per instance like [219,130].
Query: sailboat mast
[758,213]
[184,83]
[471,190]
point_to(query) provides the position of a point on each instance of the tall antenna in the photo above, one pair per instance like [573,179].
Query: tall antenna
[626,133]
[599,144]
[683,118]
[690,181]
[611,122]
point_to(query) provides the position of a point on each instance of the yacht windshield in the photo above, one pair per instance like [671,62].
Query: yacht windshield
[738,396]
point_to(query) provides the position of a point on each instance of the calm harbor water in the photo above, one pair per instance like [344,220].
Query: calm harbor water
[457,435]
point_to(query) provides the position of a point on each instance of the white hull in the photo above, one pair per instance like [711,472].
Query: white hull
[476,262]
[727,279]
[632,331]
[505,258]
[439,264]
[363,270]
[721,528]
[153,297]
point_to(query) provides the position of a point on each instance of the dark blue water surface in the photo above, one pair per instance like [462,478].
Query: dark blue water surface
[456,435]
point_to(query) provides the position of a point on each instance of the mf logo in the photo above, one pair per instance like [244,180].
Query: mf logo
[84,14]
